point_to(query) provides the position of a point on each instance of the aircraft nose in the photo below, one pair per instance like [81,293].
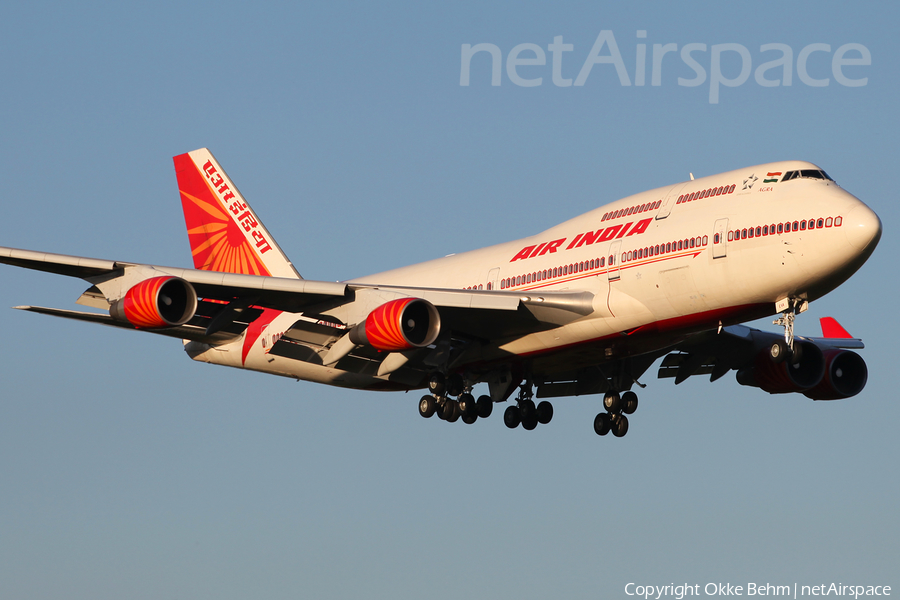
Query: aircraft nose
[862,228]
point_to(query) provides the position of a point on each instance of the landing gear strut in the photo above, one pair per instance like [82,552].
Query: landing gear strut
[790,308]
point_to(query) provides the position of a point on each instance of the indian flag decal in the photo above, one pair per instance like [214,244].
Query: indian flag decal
[772,177]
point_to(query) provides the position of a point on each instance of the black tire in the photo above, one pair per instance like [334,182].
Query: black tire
[436,384]
[778,351]
[451,411]
[544,412]
[427,406]
[620,426]
[629,403]
[612,402]
[485,407]
[602,423]
[511,417]
[526,408]
[467,405]
[455,385]
[797,354]
[469,419]
[530,423]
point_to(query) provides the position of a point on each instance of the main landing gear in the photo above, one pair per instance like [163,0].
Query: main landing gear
[465,406]
[525,412]
[614,418]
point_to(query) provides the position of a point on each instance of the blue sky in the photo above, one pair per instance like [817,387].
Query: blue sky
[130,471]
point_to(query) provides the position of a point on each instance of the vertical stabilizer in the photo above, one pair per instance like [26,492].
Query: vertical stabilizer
[224,232]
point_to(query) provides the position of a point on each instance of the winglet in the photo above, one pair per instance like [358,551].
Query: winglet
[832,329]
[224,232]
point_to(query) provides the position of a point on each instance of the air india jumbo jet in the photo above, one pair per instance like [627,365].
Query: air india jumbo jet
[585,307]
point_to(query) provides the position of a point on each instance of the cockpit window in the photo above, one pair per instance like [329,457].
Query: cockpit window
[806,174]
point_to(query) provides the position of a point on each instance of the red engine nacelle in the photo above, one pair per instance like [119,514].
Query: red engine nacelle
[785,376]
[845,375]
[157,303]
[398,325]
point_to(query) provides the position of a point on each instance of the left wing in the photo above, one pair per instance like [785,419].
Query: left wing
[227,302]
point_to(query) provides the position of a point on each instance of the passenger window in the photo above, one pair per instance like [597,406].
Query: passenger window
[705,240]
[820,223]
[758,231]
[828,222]
[780,227]
[837,221]
[802,225]
[812,223]
[765,230]
[794,226]
[744,234]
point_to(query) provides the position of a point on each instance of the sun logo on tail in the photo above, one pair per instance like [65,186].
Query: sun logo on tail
[219,240]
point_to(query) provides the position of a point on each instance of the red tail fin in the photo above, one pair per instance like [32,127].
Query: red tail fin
[224,232]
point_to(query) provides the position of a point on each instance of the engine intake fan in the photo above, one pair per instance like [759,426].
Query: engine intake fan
[785,376]
[398,325]
[845,376]
[157,303]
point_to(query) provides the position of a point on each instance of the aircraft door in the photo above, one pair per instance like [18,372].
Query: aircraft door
[719,238]
[493,279]
[669,201]
[614,260]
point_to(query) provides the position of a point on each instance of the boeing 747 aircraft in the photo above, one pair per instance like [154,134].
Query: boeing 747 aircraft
[585,307]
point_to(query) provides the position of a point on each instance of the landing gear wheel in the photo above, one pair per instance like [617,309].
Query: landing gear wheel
[511,417]
[427,406]
[455,385]
[467,405]
[530,422]
[612,402]
[526,408]
[544,412]
[485,407]
[436,384]
[602,424]
[469,419]
[620,426]
[629,402]
[451,411]
[778,351]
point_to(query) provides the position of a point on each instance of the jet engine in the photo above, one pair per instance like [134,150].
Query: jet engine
[788,374]
[845,375]
[157,303]
[399,325]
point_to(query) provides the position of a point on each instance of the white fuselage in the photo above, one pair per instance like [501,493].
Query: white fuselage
[720,255]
